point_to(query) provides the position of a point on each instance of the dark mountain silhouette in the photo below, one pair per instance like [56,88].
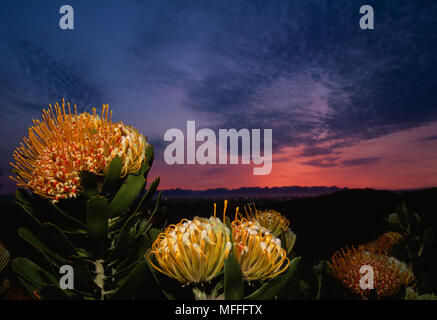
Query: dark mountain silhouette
[251,192]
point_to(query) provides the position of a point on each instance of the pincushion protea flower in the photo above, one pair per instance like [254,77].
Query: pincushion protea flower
[192,251]
[384,243]
[257,250]
[389,273]
[49,161]
[269,219]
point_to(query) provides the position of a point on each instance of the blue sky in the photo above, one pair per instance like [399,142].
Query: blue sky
[303,68]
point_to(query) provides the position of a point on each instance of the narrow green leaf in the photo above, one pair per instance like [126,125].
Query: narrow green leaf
[33,273]
[97,221]
[23,197]
[138,277]
[52,292]
[158,201]
[4,258]
[24,201]
[59,240]
[149,195]
[129,231]
[29,287]
[127,193]
[124,270]
[73,222]
[126,237]
[113,175]
[273,287]
[234,285]
[82,253]
[141,245]
[84,276]
[150,153]
[52,257]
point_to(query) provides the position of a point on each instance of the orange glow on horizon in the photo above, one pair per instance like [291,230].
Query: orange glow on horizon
[402,160]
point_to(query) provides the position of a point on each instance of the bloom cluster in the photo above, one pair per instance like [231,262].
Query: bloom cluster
[389,273]
[50,160]
[194,251]
[269,219]
[258,251]
[384,244]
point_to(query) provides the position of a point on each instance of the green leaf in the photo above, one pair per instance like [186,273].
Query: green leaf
[154,233]
[73,222]
[139,276]
[29,287]
[84,276]
[123,270]
[158,201]
[52,292]
[143,227]
[32,273]
[273,287]
[403,215]
[128,192]
[82,253]
[97,221]
[52,257]
[148,196]
[126,237]
[89,183]
[150,153]
[113,175]
[4,259]
[234,285]
[25,203]
[59,240]
[141,246]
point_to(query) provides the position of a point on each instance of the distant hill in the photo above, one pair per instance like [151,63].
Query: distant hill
[254,192]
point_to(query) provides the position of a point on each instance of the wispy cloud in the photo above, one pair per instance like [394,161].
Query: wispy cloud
[323,162]
[430,138]
[360,161]
[319,83]
[35,77]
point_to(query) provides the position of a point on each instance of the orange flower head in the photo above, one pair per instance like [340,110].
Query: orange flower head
[388,272]
[49,161]
[384,244]
[269,219]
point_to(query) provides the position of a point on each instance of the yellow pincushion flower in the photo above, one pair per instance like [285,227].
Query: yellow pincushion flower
[50,159]
[389,273]
[192,251]
[269,219]
[258,251]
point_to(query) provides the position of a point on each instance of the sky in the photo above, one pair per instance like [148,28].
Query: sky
[347,107]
